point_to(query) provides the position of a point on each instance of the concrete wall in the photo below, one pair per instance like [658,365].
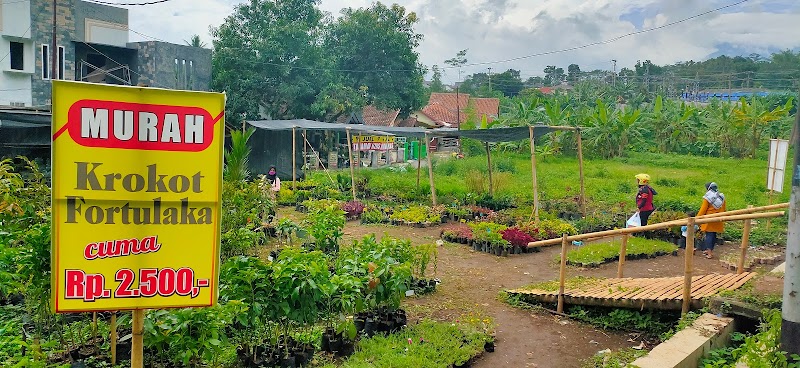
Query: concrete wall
[41,32]
[15,21]
[173,66]
[98,23]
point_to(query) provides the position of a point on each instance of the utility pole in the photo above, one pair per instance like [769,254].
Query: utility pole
[614,71]
[53,52]
[790,328]
[490,81]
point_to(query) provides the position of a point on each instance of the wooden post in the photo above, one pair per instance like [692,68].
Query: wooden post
[534,180]
[430,172]
[358,150]
[774,171]
[113,338]
[294,158]
[623,251]
[688,266]
[745,244]
[562,274]
[137,342]
[352,173]
[489,165]
[419,158]
[305,146]
[580,172]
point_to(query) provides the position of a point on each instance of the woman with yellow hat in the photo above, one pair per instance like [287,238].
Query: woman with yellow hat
[644,198]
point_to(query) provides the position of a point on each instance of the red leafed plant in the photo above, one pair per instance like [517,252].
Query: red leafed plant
[517,237]
[461,231]
[353,208]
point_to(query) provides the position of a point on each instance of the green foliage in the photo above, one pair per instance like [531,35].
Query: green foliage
[598,253]
[653,323]
[433,344]
[189,336]
[237,158]
[418,215]
[326,226]
[685,321]
[489,232]
[761,350]
[245,208]
[615,359]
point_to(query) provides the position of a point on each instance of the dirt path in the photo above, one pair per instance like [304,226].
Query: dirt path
[472,280]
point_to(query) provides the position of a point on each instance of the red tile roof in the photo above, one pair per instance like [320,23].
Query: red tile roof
[441,108]
[375,117]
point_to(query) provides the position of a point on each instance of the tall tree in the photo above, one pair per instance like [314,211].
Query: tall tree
[507,82]
[573,72]
[266,57]
[436,80]
[553,75]
[375,48]
[458,61]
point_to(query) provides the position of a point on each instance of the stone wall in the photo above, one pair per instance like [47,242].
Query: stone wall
[156,66]
[41,33]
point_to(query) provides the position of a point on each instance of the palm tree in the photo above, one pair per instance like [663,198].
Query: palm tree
[195,42]
[236,159]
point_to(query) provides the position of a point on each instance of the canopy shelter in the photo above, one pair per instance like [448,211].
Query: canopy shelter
[269,145]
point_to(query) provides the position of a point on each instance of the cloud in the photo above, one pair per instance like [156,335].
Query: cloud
[495,30]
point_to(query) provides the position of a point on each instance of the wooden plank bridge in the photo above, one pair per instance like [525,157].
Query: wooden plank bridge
[649,293]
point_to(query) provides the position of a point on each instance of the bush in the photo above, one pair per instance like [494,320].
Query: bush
[352,209]
[516,237]
[595,254]
[489,232]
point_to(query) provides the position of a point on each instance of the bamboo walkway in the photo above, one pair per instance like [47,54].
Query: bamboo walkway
[649,293]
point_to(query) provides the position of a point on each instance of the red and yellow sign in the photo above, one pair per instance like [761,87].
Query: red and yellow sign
[373,143]
[137,175]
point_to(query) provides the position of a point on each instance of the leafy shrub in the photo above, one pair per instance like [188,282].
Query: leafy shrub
[489,232]
[457,231]
[352,209]
[419,214]
[516,237]
[373,215]
[326,226]
[190,336]
[287,197]
[761,236]
[548,229]
[315,205]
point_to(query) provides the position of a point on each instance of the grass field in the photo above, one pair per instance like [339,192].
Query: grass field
[597,253]
[678,179]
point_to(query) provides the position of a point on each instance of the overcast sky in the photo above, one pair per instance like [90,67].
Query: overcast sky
[497,30]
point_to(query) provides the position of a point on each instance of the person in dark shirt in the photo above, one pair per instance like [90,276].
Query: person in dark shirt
[644,198]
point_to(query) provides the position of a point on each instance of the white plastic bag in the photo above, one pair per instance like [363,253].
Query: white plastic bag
[634,221]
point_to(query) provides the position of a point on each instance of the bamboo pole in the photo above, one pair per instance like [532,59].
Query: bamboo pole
[430,172]
[688,266]
[113,338]
[562,274]
[352,172]
[661,225]
[745,243]
[305,146]
[419,158]
[623,251]
[580,171]
[137,346]
[534,179]
[489,165]
[294,158]
[358,150]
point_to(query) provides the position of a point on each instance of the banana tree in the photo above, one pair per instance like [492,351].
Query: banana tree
[755,116]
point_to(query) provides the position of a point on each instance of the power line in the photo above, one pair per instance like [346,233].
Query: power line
[128,4]
[610,40]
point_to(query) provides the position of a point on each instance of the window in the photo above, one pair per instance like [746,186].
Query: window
[17,52]
[60,62]
[45,61]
